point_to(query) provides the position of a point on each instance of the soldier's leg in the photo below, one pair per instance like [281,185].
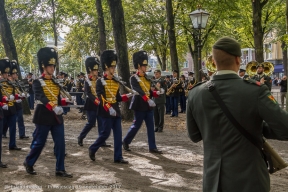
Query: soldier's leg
[39,139]
[149,121]
[168,110]
[138,120]
[91,115]
[5,126]
[12,130]
[282,99]
[156,117]
[161,111]
[57,132]
[20,122]
[107,126]
[117,133]
[1,128]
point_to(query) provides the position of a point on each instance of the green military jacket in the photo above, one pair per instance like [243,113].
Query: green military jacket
[231,162]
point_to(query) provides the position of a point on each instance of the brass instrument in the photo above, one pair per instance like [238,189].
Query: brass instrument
[172,88]
[123,84]
[210,65]
[63,93]
[251,68]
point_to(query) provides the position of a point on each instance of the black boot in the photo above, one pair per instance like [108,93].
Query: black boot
[80,141]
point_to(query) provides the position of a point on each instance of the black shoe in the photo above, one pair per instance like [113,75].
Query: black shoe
[105,145]
[80,141]
[121,161]
[24,137]
[181,112]
[29,169]
[4,136]
[63,174]
[15,148]
[125,146]
[2,165]
[92,155]
[155,151]
[156,130]
[172,116]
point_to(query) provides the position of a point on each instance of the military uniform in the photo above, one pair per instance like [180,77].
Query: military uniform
[159,109]
[182,95]
[231,162]
[109,95]
[79,88]
[267,79]
[141,104]
[174,96]
[31,93]
[168,103]
[18,102]
[48,115]
[9,120]
[92,102]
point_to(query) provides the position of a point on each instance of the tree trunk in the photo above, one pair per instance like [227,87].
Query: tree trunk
[258,31]
[54,26]
[118,22]
[101,27]
[9,44]
[171,35]
[284,52]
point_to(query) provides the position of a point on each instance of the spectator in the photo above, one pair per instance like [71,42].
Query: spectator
[283,90]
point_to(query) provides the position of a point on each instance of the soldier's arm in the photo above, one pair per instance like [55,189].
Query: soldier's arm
[192,128]
[273,115]
[88,92]
[40,95]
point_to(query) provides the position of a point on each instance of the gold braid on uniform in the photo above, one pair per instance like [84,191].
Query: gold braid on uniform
[51,91]
[8,90]
[111,87]
[144,83]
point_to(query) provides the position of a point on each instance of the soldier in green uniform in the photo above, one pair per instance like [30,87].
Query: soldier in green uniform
[231,162]
[261,77]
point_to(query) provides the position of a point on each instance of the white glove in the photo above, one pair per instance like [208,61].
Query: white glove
[58,110]
[23,95]
[112,111]
[11,97]
[158,92]
[5,107]
[27,95]
[151,103]
[135,92]
[18,101]
[162,91]
[129,95]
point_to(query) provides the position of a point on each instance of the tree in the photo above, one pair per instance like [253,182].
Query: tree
[119,32]
[171,34]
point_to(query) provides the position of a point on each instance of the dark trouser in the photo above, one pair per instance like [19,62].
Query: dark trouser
[174,105]
[159,111]
[92,117]
[182,103]
[20,121]
[283,94]
[39,139]
[31,101]
[1,129]
[66,109]
[139,117]
[10,122]
[79,99]
[108,124]
[168,105]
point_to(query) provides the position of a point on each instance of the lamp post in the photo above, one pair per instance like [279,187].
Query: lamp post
[199,19]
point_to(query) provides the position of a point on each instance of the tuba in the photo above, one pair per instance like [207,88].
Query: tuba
[210,65]
[268,68]
[251,68]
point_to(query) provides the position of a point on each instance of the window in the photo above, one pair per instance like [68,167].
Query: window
[268,51]
[185,64]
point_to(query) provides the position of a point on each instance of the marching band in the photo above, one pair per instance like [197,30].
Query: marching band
[100,99]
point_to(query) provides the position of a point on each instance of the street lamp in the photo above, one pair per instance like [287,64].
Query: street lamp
[199,19]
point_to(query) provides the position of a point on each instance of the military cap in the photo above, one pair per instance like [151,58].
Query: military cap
[175,71]
[92,63]
[229,45]
[242,70]
[47,56]
[140,58]
[168,76]
[157,71]
[13,68]
[190,73]
[5,65]
[259,65]
[108,59]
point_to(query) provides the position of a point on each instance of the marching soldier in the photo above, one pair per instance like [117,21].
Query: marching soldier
[182,96]
[159,111]
[70,85]
[10,114]
[191,81]
[31,92]
[48,113]
[142,104]
[92,102]
[261,77]
[107,89]
[242,73]
[18,104]
[168,102]
[3,106]
[80,88]
[174,96]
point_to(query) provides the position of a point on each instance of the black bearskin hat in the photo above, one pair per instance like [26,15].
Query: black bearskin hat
[47,56]
[14,68]
[140,58]
[108,59]
[5,65]
[92,63]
